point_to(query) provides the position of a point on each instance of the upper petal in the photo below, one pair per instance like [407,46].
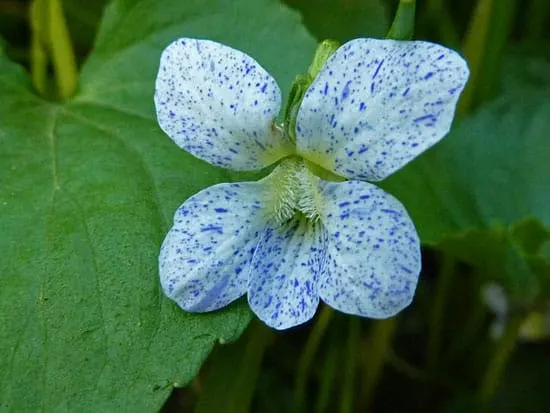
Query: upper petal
[377,104]
[373,259]
[205,259]
[219,104]
[282,288]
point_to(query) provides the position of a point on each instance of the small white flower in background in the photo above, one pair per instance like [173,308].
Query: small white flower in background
[535,326]
[292,238]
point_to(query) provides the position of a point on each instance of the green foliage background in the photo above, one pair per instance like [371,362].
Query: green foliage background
[88,187]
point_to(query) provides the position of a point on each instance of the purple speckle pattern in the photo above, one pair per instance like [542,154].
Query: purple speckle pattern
[373,251]
[218,104]
[377,104]
[204,261]
[282,289]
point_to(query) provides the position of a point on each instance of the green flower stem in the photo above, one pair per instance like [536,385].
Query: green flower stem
[483,47]
[443,288]
[39,54]
[306,359]
[502,21]
[405,369]
[497,363]
[51,40]
[330,367]
[350,368]
[415,374]
[380,341]
[473,48]
[467,335]
[62,51]
[231,374]
[402,27]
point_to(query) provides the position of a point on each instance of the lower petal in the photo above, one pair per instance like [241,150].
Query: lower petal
[373,259]
[205,259]
[282,289]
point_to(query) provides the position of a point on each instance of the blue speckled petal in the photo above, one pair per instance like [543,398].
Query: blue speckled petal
[373,252]
[219,104]
[282,289]
[377,104]
[204,262]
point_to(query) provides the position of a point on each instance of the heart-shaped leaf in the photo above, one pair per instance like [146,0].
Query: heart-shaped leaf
[88,190]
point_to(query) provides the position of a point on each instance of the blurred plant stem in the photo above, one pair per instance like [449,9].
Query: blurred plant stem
[232,372]
[330,367]
[405,368]
[377,348]
[483,47]
[39,53]
[402,27]
[350,367]
[496,367]
[306,359]
[51,42]
[476,323]
[443,288]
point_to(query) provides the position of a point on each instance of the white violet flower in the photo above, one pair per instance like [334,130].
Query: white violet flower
[293,238]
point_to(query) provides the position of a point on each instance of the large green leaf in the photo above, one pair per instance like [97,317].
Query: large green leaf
[88,190]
